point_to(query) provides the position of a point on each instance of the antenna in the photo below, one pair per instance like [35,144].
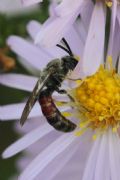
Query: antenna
[67,45]
[60,46]
[67,49]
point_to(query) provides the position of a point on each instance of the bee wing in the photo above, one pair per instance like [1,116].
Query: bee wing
[33,98]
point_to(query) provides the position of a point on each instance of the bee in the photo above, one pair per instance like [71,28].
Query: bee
[50,81]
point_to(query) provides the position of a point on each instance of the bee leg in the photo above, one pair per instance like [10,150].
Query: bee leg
[74,79]
[62,91]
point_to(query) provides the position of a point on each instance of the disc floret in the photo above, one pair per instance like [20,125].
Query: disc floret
[97,100]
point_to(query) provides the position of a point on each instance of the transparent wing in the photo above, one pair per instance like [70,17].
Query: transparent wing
[33,98]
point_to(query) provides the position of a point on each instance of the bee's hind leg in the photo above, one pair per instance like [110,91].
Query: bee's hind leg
[63,91]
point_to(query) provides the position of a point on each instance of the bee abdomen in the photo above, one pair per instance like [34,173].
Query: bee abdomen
[60,123]
[52,114]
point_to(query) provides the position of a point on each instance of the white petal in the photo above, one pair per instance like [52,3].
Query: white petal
[68,6]
[86,17]
[31,124]
[91,163]
[43,143]
[75,41]
[27,140]
[18,81]
[118,13]
[50,153]
[33,27]
[94,48]
[80,28]
[28,66]
[116,42]
[14,111]
[102,170]
[59,97]
[31,53]
[14,9]
[30,2]
[75,167]
[104,160]
[112,28]
[63,158]
[33,150]
[57,28]
[114,151]
[52,6]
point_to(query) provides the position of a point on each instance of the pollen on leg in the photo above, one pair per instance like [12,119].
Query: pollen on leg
[97,101]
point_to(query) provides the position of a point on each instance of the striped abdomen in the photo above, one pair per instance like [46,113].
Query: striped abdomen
[53,115]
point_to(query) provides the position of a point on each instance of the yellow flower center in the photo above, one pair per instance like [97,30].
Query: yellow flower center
[97,100]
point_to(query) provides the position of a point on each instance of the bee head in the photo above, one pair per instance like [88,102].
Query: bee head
[69,62]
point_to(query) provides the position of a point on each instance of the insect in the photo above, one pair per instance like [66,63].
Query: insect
[50,81]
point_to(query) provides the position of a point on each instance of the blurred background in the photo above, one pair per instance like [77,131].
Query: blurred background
[13,20]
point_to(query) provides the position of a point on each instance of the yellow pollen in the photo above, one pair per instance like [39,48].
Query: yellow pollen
[109,3]
[97,101]
[94,137]
[66,114]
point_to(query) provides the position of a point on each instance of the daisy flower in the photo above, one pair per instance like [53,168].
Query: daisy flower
[96,111]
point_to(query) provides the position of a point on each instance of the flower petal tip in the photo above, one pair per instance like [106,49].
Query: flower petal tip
[10,40]
[5,154]
[8,152]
